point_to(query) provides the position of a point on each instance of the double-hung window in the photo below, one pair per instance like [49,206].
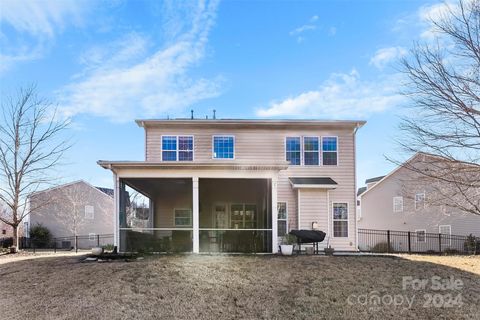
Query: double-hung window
[183,217]
[223,147]
[89,212]
[340,220]
[292,149]
[329,151]
[419,200]
[446,232]
[397,204]
[282,219]
[421,235]
[177,148]
[311,151]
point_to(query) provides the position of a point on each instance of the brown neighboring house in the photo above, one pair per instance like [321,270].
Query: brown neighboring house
[403,201]
[75,208]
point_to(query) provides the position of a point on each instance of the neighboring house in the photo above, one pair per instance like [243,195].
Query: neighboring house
[6,231]
[75,208]
[404,201]
[237,185]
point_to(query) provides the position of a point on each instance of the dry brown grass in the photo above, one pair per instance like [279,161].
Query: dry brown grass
[224,287]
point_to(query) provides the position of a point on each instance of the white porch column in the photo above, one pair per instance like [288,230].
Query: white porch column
[116,208]
[196,238]
[274,216]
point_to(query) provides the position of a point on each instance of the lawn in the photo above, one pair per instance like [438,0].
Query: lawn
[238,287]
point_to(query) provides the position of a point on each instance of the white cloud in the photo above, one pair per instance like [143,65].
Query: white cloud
[384,56]
[36,23]
[341,96]
[310,26]
[122,82]
[40,17]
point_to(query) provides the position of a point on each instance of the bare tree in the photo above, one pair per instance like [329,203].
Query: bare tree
[30,150]
[444,90]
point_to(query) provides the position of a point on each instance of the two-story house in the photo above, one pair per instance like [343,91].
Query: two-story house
[237,185]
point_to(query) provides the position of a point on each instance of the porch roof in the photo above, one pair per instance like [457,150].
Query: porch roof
[313,182]
[224,165]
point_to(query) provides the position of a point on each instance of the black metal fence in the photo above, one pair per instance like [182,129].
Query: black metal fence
[391,241]
[71,243]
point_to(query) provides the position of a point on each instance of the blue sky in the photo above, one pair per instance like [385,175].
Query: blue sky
[107,63]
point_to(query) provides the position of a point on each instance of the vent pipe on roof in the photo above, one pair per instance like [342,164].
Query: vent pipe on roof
[191,116]
[214,116]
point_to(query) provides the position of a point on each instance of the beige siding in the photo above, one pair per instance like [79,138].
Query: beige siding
[262,145]
[55,209]
[377,210]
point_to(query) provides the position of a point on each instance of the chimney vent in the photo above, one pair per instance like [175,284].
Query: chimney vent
[191,112]
[214,112]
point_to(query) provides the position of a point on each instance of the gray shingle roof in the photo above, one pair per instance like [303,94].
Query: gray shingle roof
[374,179]
[361,190]
[107,191]
[313,180]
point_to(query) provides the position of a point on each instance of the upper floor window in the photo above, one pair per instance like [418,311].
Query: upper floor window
[292,149]
[329,151]
[419,200]
[397,204]
[311,151]
[223,147]
[177,148]
[89,212]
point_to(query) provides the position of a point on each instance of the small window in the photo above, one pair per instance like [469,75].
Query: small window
[292,149]
[329,151]
[446,232]
[89,212]
[223,147]
[397,204]
[282,217]
[421,235]
[183,217]
[4,231]
[92,236]
[340,220]
[177,148]
[311,151]
[419,200]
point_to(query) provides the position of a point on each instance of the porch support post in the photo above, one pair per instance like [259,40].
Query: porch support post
[116,210]
[195,222]
[274,216]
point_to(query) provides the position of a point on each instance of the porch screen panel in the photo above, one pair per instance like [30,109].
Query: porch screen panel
[235,215]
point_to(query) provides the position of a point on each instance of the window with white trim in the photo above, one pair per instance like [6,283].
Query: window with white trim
[89,212]
[311,152]
[223,147]
[397,204]
[446,232]
[92,236]
[282,219]
[177,148]
[340,220]
[183,217]
[419,200]
[293,150]
[329,151]
[421,235]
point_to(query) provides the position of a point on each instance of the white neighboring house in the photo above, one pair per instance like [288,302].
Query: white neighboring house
[75,208]
[398,201]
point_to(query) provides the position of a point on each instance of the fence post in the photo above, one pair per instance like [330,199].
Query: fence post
[55,245]
[409,243]
[33,245]
[98,240]
[76,244]
[388,241]
[440,242]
